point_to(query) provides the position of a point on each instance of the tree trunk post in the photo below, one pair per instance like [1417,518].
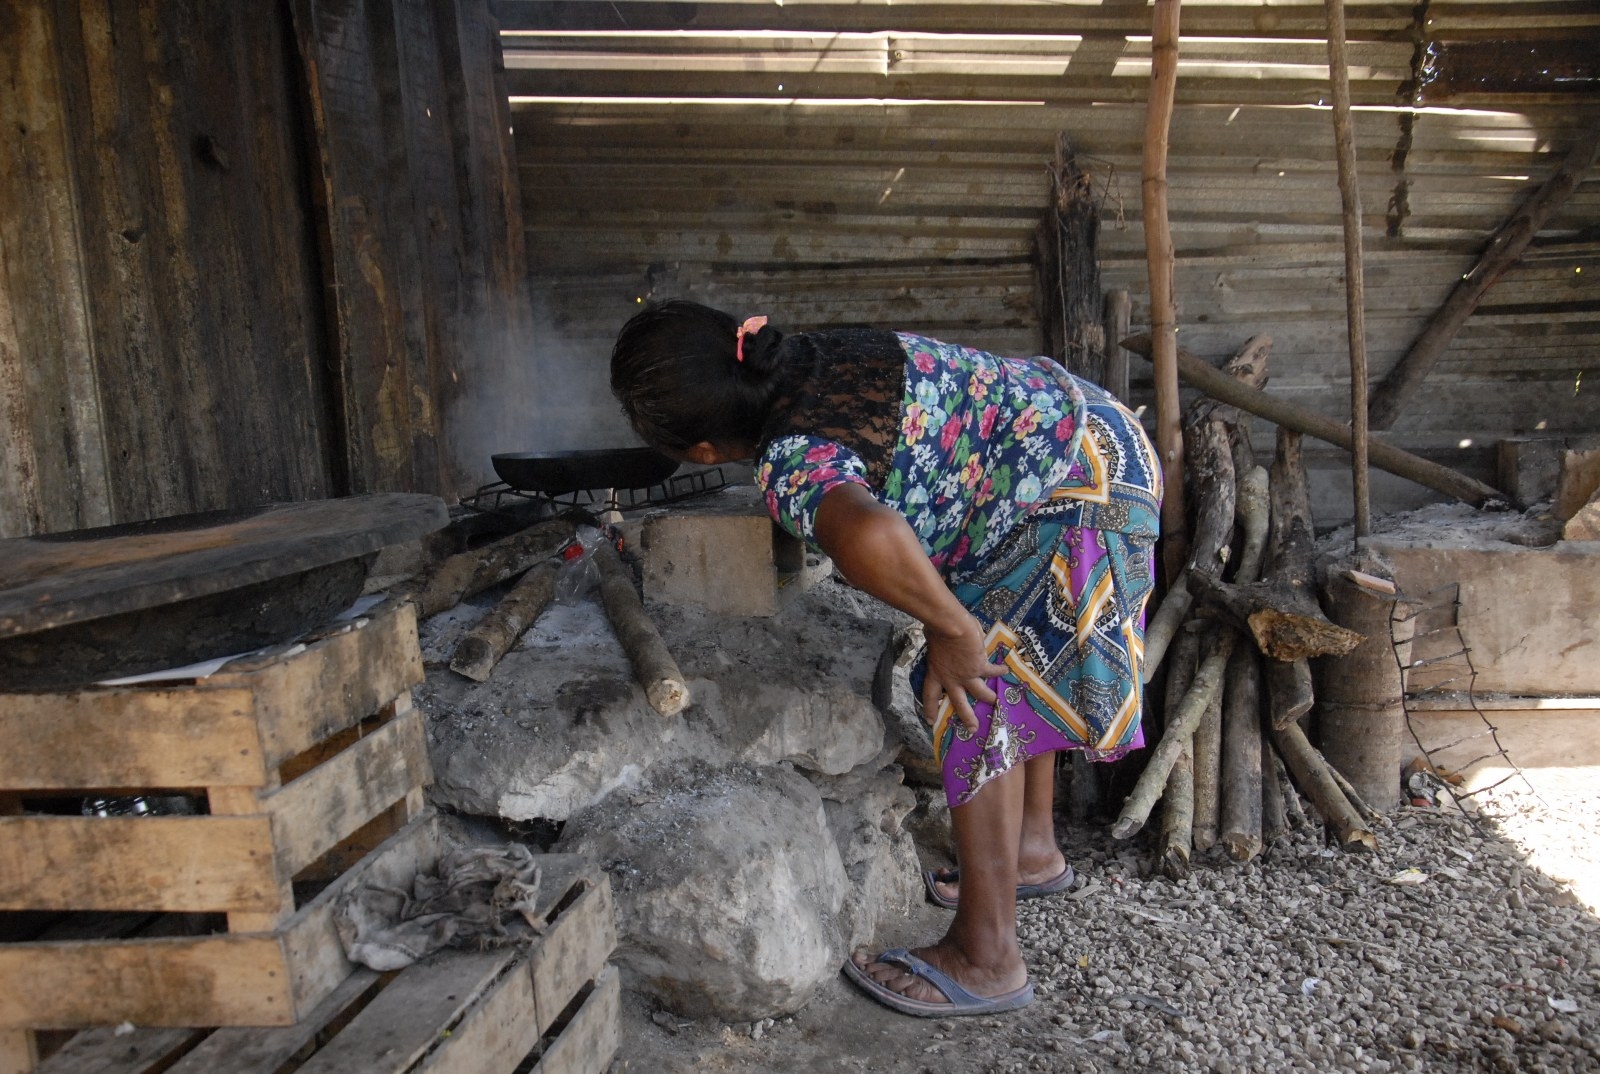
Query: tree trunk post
[1118,319]
[1360,696]
[1159,258]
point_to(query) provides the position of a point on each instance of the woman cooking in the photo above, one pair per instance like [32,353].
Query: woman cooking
[1009,507]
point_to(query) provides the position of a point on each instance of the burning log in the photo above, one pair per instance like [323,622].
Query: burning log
[462,575]
[480,650]
[1240,820]
[1314,776]
[653,664]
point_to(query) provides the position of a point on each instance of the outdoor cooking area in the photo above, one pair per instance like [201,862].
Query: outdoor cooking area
[390,683]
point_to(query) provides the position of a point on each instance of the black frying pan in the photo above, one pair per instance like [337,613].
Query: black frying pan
[556,473]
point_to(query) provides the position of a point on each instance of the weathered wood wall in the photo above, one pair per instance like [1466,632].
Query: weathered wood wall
[249,253]
[828,163]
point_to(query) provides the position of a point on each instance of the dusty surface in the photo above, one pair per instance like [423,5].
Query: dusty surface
[1307,960]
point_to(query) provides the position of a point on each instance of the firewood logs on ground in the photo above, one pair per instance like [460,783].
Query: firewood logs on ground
[1235,635]
[536,553]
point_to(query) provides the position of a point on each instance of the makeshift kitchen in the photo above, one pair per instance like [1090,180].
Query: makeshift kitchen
[544,538]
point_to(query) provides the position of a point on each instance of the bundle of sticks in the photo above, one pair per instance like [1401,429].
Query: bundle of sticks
[1235,633]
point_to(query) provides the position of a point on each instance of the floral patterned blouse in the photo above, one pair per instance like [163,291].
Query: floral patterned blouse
[981,441]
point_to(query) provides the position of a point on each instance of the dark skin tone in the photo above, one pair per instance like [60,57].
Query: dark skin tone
[1006,833]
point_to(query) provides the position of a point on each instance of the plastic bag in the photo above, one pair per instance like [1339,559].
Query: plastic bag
[579,574]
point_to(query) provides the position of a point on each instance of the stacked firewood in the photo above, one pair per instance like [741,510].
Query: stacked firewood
[1235,634]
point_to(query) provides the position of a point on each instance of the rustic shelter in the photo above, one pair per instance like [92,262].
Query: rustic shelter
[304,250]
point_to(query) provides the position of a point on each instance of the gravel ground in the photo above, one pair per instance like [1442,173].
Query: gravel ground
[1448,950]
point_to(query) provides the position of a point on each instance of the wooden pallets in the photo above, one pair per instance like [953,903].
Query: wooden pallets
[303,761]
[551,1008]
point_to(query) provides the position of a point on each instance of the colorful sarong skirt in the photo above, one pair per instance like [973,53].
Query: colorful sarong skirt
[1062,602]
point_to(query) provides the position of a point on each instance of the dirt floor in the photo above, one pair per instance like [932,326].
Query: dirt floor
[1448,950]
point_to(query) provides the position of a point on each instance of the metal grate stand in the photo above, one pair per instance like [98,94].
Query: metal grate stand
[493,498]
[1447,673]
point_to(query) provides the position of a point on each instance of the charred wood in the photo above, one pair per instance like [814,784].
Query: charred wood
[653,664]
[477,653]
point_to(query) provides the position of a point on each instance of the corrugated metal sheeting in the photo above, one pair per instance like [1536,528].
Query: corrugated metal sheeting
[887,164]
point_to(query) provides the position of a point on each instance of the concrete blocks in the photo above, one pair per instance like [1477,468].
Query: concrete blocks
[1530,615]
[722,552]
[1530,466]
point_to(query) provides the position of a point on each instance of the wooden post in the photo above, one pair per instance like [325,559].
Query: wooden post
[1073,324]
[1159,256]
[1360,704]
[1117,321]
[1405,379]
[1354,284]
[1217,384]
[1239,823]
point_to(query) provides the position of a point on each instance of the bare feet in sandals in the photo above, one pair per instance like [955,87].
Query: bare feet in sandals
[1043,875]
[939,980]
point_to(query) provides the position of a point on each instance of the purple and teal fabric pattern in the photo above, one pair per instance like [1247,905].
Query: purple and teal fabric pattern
[1037,496]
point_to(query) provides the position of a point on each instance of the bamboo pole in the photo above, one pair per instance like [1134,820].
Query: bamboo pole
[1159,258]
[1354,283]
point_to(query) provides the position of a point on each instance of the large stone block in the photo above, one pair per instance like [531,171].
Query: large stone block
[729,886]
[561,722]
[723,553]
[1531,616]
[1530,466]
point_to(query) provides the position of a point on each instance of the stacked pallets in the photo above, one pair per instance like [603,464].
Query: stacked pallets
[308,767]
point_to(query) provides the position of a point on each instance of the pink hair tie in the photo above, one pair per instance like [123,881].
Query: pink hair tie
[751,326]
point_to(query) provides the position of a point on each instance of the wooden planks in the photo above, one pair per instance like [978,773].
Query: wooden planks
[309,770]
[233,729]
[50,582]
[239,979]
[173,318]
[454,1013]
